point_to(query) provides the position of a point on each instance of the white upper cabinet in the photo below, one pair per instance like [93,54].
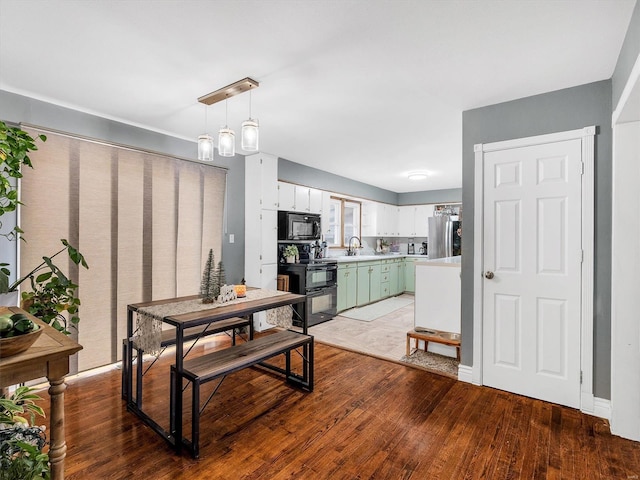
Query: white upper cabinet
[406,220]
[315,200]
[423,212]
[302,198]
[369,219]
[261,179]
[386,220]
[413,220]
[286,196]
[298,198]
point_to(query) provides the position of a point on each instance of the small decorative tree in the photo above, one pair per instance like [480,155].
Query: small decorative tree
[209,286]
[220,274]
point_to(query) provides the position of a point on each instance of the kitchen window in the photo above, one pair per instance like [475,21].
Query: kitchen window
[344,222]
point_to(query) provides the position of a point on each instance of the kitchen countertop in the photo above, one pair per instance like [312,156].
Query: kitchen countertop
[368,258]
[442,262]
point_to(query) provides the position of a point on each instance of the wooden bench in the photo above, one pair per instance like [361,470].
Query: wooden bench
[168,338]
[221,363]
[436,336]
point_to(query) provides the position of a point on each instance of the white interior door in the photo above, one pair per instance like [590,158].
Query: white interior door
[532,268]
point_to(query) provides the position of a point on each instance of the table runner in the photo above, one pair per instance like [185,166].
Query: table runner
[149,319]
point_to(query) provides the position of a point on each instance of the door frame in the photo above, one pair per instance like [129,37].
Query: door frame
[587,136]
[625,384]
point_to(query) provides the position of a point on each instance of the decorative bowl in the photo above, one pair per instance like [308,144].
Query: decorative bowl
[18,344]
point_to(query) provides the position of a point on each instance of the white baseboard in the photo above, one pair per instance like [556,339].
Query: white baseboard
[602,408]
[465,373]
[598,407]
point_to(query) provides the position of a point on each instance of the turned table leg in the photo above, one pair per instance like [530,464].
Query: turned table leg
[58,448]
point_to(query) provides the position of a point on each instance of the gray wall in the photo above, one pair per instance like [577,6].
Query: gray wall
[628,55]
[450,195]
[312,177]
[567,109]
[21,109]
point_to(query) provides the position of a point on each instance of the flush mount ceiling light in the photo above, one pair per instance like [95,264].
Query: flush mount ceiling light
[417,176]
[250,127]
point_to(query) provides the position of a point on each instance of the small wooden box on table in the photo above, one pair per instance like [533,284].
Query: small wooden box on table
[436,336]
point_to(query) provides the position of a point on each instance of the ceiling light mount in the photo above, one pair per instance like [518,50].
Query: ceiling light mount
[235,88]
[417,176]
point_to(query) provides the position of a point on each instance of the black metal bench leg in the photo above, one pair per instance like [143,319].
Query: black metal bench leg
[195,418]
[125,369]
[139,361]
[310,363]
[172,400]
[287,364]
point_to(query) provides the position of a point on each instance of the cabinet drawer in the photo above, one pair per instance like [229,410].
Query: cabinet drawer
[384,289]
[384,278]
[385,268]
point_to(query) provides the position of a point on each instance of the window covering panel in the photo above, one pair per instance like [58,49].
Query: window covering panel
[145,223]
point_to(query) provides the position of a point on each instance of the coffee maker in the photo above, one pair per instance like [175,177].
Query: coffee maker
[424,249]
[411,249]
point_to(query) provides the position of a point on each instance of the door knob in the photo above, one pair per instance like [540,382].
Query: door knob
[488,275]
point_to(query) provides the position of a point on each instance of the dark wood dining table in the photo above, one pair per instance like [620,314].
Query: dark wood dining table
[182,322]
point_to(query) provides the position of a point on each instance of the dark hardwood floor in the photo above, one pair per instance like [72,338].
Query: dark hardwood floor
[367,418]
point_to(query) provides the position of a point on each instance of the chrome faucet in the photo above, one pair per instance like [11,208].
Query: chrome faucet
[351,252]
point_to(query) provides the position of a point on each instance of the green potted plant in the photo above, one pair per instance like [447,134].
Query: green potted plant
[290,253]
[15,145]
[52,292]
[21,440]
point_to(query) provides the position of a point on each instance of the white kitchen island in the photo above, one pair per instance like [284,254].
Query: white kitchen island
[437,299]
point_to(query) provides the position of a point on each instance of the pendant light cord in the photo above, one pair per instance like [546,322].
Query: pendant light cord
[226,112]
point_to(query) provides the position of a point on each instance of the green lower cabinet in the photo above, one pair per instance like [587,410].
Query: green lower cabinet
[347,286]
[410,275]
[400,267]
[368,282]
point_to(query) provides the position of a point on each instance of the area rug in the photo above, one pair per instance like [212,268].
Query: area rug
[378,309]
[433,361]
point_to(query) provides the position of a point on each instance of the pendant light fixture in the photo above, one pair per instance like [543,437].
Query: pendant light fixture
[226,137]
[250,132]
[205,142]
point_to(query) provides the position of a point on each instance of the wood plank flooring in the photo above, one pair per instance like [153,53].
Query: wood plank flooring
[366,419]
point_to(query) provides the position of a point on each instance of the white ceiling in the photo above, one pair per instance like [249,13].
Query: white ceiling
[366,89]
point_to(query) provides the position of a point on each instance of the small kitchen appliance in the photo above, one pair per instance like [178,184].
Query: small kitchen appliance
[295,226]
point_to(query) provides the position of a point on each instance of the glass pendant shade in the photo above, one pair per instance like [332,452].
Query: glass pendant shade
[250,135]
[226,142]
[205,148]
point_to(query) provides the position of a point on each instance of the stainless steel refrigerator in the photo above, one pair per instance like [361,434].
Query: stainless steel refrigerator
[445,236]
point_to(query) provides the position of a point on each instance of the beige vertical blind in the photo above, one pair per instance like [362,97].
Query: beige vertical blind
[145,223]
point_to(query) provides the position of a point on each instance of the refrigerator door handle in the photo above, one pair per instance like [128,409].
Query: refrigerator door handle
[448,238]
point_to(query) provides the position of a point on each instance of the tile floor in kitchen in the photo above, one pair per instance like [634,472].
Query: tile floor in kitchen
[384,337]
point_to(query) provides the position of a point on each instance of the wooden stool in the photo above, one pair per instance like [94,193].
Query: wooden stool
[436,336]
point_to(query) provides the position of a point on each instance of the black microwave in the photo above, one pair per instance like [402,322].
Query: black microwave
[298,226]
